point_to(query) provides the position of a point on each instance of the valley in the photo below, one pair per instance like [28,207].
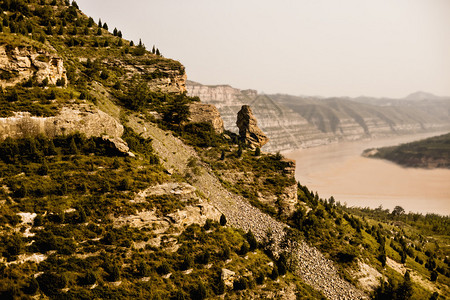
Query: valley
[295,122]
[339,170]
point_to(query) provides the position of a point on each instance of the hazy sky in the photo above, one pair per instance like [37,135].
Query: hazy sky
[300,47]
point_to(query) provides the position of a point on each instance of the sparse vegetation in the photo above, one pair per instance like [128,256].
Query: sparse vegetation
[80,219]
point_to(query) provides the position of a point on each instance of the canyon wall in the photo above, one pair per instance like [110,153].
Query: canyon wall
[293,122]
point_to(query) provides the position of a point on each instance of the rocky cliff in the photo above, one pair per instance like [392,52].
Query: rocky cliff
[82,118]
[249,132]
[18,64]
[293,122]
[206,113]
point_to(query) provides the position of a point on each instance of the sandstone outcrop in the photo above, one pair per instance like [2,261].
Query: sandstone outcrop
[293,122]
[206,113]
[249,131]
[77,118]
[22,63]
[161,74]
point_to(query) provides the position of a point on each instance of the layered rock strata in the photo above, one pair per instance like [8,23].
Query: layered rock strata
[249,131]
[85,119]
[293,122]
[206,113]
[22,63]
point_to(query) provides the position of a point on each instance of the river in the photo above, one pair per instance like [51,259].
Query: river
[339,170]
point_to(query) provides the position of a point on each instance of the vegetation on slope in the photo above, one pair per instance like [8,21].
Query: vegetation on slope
[62,200]
[433,152]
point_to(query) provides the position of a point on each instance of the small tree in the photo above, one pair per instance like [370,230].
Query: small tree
[223,220]
[100,23]
[251,240]
[433,275]
[239,152]
[274,274]
[397,211]
[73,149]
[257,151]
[198,292]
[105,26]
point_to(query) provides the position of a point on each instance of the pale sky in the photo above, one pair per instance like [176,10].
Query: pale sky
[300,47]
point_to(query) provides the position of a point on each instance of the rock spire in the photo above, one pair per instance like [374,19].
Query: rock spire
[249,131]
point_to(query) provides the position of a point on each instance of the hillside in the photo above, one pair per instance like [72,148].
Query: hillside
[293,122]
[430,153]
[115,184]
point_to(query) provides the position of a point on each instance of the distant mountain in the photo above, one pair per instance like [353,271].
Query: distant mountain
[302,121]
[422,96]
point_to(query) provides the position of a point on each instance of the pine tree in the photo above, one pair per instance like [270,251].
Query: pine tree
[99,31]
[74,4]
[157,52]
[119,34]
[90,22]
[153,50]
[49,29]
[73,147]
[223,220]
[105,26]
[131,43]
[100,23]
[115,32]
[257,151]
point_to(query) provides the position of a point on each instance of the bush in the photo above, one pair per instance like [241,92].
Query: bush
[163,268]
[198,292]
[88,279]
[274,274]
[251,240]
[244,249]
[223,220]
[31,286]
[240,284]
[50,283]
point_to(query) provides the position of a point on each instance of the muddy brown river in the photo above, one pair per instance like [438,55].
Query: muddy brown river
[339,170]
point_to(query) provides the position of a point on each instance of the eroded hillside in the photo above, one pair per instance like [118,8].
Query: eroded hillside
[116,184]
[300,122]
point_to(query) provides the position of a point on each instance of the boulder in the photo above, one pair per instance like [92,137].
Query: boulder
[206,113]
[249,131]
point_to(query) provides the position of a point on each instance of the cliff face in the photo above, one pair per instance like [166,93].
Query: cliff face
[206,113]
[293,122]
[19,64]
[162,75]
[78,118]
[249,131]
[285,128]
